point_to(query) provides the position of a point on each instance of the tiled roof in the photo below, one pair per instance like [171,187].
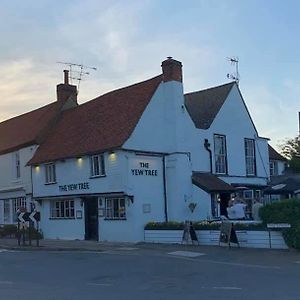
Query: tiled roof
[274,155]
[26,129]
[283,184]
[211,183]
[98,125]
[204,105]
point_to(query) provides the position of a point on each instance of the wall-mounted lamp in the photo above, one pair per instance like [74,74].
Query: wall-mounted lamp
[112,156]
[37,168]
[79,161]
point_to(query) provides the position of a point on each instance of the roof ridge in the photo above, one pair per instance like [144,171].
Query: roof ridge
[211,88]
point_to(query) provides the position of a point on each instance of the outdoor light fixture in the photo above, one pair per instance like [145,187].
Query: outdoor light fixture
[112,156]
[37,168]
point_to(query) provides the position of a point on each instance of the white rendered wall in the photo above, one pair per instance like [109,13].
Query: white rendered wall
[148,197]
[12,187]
[66,229]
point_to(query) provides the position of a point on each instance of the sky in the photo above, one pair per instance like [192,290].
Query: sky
[127,41]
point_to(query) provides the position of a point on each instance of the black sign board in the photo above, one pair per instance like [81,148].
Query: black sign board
[29,216]
[189,232]
[228,234]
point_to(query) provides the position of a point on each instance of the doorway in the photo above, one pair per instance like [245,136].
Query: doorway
[91,218]
[224,199]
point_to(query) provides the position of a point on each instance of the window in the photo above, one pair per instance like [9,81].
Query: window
[6,211]
[220,154]
[50,173]
[62,209]
[97,165]
[19,204]
[16,165]
[250,157]
[115,208]
[273,168]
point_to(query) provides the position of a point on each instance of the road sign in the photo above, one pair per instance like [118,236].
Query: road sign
[35,216]
[29,216]
[23,217]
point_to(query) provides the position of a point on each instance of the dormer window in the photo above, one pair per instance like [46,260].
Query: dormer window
[50,174]
[97,165]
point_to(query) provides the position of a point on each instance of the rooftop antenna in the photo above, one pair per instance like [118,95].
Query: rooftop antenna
[77,72]
[234,60]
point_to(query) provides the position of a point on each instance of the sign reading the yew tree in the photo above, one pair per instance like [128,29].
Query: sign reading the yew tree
[144,170]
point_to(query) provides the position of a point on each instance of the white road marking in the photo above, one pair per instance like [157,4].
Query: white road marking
[6,282]
[297,262]
[226,288]
[127,248]
[186,253]
[99,284]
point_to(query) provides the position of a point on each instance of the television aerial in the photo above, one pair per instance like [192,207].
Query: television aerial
[234,61]
[77,72]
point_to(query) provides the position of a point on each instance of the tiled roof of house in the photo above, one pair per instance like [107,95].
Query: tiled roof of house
[204,105]
[25,129]
[98,125]
[274,155]
[210,183]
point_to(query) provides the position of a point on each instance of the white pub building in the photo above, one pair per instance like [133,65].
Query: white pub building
[143,153]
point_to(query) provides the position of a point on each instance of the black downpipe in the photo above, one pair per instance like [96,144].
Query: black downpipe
[165,189]
[207,145]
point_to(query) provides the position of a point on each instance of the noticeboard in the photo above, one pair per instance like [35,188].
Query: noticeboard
[227,234]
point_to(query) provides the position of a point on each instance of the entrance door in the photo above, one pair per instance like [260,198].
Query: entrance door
[91,218]
[224,199]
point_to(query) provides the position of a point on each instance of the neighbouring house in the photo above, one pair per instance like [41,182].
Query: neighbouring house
[147,152]
[283,184]
[19,139]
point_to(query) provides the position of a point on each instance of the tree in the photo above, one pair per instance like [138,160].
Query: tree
[291,150]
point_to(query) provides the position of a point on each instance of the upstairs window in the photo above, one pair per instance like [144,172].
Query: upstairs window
[220,154]
[50,173]
[16,165]
[19,204]
[273,168]
[250,157]
[97,165]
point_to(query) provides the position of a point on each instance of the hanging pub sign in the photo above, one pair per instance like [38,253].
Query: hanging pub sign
[144,170]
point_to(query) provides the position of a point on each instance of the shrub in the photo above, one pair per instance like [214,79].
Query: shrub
[9,230]
[286,211]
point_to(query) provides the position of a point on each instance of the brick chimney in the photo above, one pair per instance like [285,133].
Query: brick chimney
[64,90]
[172,70]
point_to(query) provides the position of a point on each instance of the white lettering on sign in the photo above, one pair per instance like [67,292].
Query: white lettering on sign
[74,187]
[144,170]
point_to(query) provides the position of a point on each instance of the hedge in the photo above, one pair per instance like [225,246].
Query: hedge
[285,211]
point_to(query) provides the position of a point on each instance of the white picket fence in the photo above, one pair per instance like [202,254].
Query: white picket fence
[246,238]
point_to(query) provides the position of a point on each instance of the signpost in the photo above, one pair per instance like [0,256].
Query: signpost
[32,217]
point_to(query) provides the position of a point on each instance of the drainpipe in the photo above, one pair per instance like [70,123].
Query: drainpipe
[165,189]
[207,145]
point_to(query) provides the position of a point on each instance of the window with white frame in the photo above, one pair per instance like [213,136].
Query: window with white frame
[97,165]
[273,168]
[115,208]
[50,173]
[19,204]
[6,211]
[16,165]
[220,154]
[62,209]
[250,157]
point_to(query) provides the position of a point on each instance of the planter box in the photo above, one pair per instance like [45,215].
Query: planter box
[247,238]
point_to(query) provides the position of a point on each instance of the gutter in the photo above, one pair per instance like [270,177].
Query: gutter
[206,146]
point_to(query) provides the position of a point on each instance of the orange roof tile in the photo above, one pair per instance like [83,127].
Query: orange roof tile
[25,129]
[98,125]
